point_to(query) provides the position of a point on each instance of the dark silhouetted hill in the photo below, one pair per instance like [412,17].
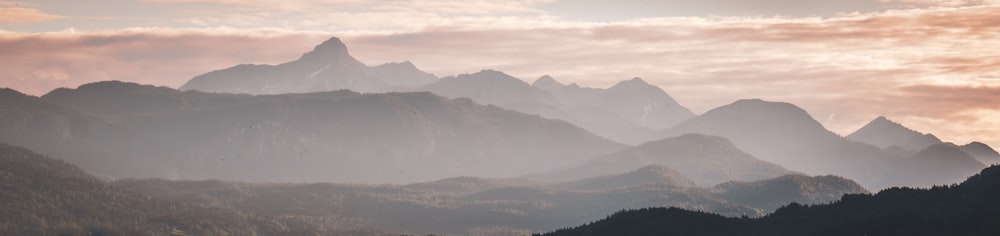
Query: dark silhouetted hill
[969,208]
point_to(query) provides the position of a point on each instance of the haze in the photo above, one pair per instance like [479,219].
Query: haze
[330,117]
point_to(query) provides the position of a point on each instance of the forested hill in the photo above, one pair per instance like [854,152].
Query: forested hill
[969,208]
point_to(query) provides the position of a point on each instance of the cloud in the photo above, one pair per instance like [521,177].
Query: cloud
[18,12]
[852,67]
[934,69]
[38,63]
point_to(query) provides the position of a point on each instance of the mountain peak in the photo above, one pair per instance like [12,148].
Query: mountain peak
[982,152]
[329,49]
[886,133]
[333,43]
[633,83]
[546,82]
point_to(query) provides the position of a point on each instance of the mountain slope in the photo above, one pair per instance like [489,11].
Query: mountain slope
[500,89]
[403,74]
[982,152]
[967,209]
[327,67]
[914,171]
[648,175]
[337,136]
[478,206]
[627,112]
[43,196]
[770,194]
[786,135]
[885,133]
[705,159]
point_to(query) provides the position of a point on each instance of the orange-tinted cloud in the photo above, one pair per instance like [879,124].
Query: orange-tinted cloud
[17,12]
[922,67]
[38,63]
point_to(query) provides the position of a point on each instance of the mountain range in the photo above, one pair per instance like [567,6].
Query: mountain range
[129,130]
[627,112]
[786,135]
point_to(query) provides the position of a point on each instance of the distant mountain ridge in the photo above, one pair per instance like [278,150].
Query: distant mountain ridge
[478,206]
[328,67]
[337,136]
[787,135]
[707,160]
[629,112]
[885,133]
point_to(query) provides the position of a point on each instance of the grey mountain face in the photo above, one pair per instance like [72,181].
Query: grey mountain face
[328,67]
[705,159]
[885,133]
[786,135]
[403,74]
[627,111]
[341,136]
[982,152]
[948,165]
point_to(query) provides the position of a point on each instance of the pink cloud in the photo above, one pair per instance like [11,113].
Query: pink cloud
[16,13]
[38,63]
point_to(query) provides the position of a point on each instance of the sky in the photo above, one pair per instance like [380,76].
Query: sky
[932,65]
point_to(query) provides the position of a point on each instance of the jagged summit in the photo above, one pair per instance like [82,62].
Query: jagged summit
[330,47]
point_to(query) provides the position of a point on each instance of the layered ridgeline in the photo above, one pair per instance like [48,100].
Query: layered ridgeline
[478,206]
[966,209]
[885,134]
[43,196]
[628,112]
[707,160]
[895,137]
[788,136]
[130,130]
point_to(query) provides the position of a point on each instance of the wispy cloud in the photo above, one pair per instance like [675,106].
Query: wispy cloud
[20,12]
[934,69]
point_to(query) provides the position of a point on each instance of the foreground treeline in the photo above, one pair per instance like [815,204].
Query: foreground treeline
[969,208]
